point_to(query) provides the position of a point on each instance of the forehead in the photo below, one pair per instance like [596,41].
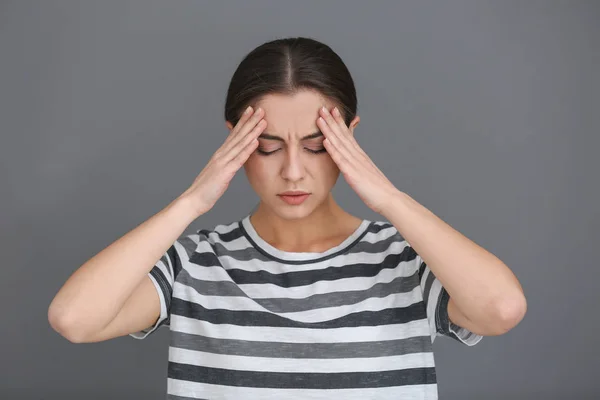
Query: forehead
[293,116]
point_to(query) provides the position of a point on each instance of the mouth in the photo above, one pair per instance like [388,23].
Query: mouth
[294,198]
[293,193]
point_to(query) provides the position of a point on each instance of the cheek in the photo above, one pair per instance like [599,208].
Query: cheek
[328,165]
[258,171]
[325,170]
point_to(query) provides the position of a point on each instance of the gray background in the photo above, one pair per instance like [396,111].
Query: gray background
[486,112]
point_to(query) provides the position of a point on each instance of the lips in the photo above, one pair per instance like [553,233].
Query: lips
[293,193]
[294,199]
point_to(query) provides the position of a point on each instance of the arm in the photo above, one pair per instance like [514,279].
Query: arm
[110,294]
[485,296]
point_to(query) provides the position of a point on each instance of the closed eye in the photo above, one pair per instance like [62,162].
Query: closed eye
[267,153]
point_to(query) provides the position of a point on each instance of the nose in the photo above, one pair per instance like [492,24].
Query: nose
[293,166]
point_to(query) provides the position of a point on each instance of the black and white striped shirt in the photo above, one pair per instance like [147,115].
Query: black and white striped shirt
[249,321]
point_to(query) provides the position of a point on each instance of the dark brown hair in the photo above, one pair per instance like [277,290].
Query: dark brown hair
[284,66]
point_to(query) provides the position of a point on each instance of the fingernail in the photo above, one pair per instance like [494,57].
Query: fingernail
[336,112]
[324,109]
[258,110]
[248,110]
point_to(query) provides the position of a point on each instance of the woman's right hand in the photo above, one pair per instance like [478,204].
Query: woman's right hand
[214,179]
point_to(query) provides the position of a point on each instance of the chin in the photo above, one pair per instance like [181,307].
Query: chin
[295,213]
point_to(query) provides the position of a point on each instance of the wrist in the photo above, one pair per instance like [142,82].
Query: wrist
[184,207]
[392,203]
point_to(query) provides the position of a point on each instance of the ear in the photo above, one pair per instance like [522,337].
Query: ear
[228,125]
[353,124]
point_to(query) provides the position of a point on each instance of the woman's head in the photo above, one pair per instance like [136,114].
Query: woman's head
[291,79]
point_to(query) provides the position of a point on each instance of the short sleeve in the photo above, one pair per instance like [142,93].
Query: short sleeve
[436,300]
[163,275]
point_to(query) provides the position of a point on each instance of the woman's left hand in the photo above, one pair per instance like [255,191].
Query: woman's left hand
[360,172]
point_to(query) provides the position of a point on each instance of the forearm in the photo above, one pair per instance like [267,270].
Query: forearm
[96,291]
[482,287]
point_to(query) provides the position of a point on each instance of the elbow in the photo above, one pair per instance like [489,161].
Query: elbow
[509,312]
[64,325]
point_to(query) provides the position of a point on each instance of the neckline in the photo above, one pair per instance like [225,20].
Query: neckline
[290,256]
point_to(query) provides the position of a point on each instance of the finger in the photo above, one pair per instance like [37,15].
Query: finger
[342,152]
[243,130]
[339,120]
[343,143]
[338,157]
[251,122]
[245,116]
[339,130]
[243,155]
[246,141]
[248,130]
[231,137]
[348,140]
[345,134]
[331,136]
[333,152]
[326,115]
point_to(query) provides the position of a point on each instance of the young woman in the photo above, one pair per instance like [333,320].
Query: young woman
[299,299]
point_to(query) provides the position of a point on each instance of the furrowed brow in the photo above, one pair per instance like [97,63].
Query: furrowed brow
[268,136]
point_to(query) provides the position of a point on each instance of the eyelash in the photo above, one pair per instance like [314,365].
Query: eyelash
[265,153]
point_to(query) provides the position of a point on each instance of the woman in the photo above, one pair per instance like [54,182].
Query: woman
[299,299]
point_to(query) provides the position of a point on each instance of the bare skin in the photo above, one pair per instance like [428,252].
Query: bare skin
[319,223]
[111,294]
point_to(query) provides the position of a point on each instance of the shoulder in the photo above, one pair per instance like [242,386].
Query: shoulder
[384,230]
[202,246]
[219,232]
[384,236]
[205,239]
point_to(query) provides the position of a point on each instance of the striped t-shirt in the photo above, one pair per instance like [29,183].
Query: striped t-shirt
[250,321]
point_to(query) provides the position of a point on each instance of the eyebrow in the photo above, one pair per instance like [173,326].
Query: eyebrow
[269,136]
